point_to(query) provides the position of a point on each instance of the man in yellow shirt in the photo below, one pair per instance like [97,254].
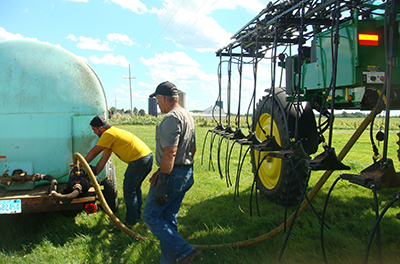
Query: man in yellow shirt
[131,150]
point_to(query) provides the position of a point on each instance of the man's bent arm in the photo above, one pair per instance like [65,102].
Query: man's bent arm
[168,159]
[93,153]
[102,162]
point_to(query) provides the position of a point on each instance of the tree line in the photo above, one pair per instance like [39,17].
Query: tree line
[135,111]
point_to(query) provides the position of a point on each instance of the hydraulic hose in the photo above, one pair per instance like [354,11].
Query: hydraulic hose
[323,218]
[53,182]
[78,157]
[376,226]
[204,143]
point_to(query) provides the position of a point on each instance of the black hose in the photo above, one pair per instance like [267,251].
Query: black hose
[323,217]
[378,231]
[219,156]
[294,218]
[210,162]
[377,225]
[389,71]
[53,182]
[296,177]
[254,186]
[239,169]
[227,175]
[204,143]
[228,159]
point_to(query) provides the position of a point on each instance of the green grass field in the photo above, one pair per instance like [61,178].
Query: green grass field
[210,215]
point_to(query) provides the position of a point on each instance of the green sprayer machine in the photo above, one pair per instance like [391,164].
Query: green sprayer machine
[323,56]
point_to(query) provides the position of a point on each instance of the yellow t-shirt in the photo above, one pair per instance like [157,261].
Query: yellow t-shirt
[124,144]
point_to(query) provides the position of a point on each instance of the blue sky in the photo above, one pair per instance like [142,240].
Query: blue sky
[172,40]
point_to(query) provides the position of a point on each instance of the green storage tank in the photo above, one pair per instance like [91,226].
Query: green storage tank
[48,97]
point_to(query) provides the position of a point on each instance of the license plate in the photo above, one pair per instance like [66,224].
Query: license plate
[10,206]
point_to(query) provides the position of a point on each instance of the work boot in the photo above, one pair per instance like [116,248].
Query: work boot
[190,258]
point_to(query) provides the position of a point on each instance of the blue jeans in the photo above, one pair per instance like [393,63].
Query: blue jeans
[134,175]
[162,220]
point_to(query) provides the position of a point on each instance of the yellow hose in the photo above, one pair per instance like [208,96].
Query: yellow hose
[77,156]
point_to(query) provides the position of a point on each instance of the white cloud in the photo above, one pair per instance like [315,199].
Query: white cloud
[146,85]
[191,25]
[205,35]
[4,35]
[121,91]
[179,68]
[137,95]
[96,44]
[175,66]
[93,44]
[83,1]
[134,5]
[110,59]
[135,92]
[124,39]
[90,43]
[123,86]
[72,37]
[177,58]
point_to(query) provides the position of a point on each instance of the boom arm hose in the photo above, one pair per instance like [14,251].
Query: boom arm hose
[77,156]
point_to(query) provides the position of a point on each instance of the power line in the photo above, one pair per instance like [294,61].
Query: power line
[195,21]
[185,24]
[165,26]
[158,20]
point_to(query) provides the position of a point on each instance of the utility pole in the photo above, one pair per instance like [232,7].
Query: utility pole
[130,86]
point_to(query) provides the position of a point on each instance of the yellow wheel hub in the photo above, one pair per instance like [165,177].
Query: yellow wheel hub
[270,170]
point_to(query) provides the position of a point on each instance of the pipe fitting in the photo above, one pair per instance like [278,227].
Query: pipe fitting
[78,187]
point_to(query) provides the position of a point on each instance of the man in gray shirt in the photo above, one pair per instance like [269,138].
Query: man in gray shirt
[175,148]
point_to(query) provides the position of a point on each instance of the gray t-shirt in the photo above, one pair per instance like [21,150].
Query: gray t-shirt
[176,129]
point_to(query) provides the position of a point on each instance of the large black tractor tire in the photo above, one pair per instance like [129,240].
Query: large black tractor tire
[110,188]
[281,180]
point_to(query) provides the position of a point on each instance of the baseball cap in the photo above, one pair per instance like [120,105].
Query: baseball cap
[99,121]
[165,88]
